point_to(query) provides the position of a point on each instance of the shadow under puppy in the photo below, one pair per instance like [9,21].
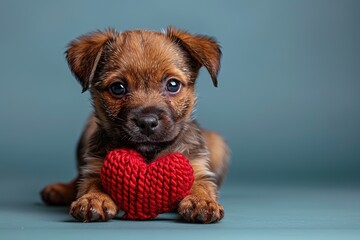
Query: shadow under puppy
[142,89]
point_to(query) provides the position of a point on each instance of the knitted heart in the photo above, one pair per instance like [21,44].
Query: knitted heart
[144,190]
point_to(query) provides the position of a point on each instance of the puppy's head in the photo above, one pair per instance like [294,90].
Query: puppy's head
[142,82]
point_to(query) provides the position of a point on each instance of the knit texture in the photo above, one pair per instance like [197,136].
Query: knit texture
[144,190]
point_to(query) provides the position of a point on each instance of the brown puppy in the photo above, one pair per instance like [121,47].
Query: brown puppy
[142,89]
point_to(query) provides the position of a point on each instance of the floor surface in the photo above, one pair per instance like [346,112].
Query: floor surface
[251,212]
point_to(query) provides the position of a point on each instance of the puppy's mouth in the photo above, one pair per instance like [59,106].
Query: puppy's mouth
[148,147]
[148,144]
[147,130]
[158,137]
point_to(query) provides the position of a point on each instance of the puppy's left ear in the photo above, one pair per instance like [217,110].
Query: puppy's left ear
[203,49]
[84,53]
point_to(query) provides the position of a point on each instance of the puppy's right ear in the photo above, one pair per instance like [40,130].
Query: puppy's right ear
[83,54]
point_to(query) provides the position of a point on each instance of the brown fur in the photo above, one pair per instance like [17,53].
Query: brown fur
[144,61]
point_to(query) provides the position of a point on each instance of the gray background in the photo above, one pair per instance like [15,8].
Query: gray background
[288,100]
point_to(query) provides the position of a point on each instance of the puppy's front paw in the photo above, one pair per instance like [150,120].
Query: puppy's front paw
[194,209]
[93,207]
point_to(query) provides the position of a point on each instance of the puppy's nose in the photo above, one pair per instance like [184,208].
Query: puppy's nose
[147,123]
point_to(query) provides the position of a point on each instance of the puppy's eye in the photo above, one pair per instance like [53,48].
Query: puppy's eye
[117,89]
[173,86]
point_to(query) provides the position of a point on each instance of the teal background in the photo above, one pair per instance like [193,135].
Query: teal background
[288,103]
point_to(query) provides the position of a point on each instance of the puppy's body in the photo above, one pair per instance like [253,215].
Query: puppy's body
[142,88]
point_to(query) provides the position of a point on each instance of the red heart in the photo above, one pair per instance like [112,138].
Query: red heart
[144,190]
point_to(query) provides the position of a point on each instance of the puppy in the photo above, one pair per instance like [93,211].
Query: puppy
[142,90]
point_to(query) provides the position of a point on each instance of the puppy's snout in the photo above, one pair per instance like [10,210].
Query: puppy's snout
[147,123]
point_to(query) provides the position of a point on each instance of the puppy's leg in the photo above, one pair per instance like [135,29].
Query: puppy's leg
[92,203]
[219,155]
[201,205]
[59,194]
